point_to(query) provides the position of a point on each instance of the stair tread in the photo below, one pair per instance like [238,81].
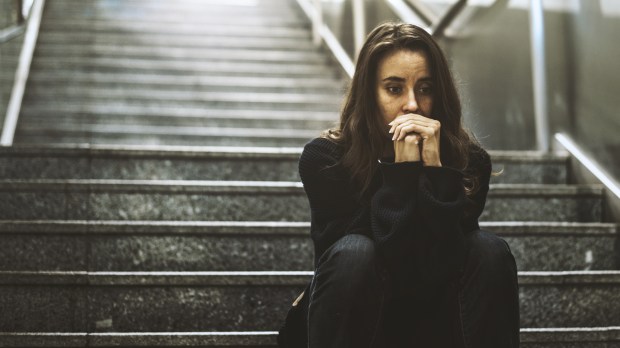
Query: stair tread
[268,338]
[261,278]
[301,228]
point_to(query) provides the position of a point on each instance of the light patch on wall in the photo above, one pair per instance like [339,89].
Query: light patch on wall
[549,5]
[610,8]
[242,3]
[572,6]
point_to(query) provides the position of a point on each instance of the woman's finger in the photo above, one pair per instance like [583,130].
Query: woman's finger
[398,129]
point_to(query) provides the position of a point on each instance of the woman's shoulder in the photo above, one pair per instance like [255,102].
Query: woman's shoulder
[321,150]
[479,158]
[318,154]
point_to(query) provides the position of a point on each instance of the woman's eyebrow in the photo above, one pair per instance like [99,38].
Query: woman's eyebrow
[394,79]
[401,79]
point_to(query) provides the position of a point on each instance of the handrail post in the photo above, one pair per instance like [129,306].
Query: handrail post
[20,12]
[359,25]
[539,78]
[317,22]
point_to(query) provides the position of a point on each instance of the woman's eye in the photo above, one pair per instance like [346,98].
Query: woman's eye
[426,90]
[394,90]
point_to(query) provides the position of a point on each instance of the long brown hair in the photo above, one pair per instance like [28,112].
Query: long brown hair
[361,131]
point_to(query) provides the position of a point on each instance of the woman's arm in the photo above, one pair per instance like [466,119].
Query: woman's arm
[334,212]
[416,221]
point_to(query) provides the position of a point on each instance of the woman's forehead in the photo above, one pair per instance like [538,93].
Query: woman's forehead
[404,64]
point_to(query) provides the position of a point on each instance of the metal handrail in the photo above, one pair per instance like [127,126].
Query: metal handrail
[413,11]
[21,74]
[12,31]
[321,33]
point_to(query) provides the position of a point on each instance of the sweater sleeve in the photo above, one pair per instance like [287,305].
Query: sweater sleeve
[480,167]
[333,211]
[415,218]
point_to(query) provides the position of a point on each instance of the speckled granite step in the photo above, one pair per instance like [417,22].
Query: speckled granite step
[202,29]
[181,67]
[193,117]
[232,100]
[259,246]
[230,301]
[77,82]
[594,337]
[121,134]
[155,39]
[251,200]
[219,163]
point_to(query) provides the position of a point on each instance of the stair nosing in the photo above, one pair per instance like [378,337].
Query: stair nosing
[273,228]
[260,278]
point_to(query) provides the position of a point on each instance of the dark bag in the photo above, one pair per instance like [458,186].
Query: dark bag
[293,333]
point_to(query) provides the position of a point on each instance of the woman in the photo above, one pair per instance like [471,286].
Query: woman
[395,193]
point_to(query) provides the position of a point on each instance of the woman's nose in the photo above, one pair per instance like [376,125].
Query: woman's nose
[411,104]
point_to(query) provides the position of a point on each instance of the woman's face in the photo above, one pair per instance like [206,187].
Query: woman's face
[404,85]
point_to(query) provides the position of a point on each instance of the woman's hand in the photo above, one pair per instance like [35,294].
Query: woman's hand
[412,132]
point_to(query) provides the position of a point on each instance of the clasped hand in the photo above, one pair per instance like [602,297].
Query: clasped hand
[416,138]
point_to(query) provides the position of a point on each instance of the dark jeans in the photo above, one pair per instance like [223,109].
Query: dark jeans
[352,305]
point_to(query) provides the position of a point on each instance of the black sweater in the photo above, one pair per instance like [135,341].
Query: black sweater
[416,215]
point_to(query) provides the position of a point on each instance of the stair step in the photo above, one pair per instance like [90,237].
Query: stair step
[181,53]
[220,163]
[593,337]
[135,28]
[159,40]
[296,101]
[46,83]
[183,68]
[226,301]
[168,116]
[259,246]
[161,135]
[257,200]
[41,119]
[164,21]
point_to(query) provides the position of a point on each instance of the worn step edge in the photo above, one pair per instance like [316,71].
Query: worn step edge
[175,131]
[194,96]
[257,278]
[163,111]
[207,186]
[267,338]
[162,151]
[132,339]
[280,228]
[118,80]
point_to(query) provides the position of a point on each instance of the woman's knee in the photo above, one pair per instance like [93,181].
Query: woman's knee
[351,257]
[490,254]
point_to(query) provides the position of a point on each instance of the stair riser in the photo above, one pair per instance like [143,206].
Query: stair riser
[247,206]
[577,340]
[103,28]
[155,120]
[183,69]
[188,54]
[131,252]
[94,89]
[291,105]
[61,308]
[582,209]
[244,168]
[53,137]
[172,41]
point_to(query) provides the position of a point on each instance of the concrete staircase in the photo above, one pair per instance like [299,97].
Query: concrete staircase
[113,244]
[241,73]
